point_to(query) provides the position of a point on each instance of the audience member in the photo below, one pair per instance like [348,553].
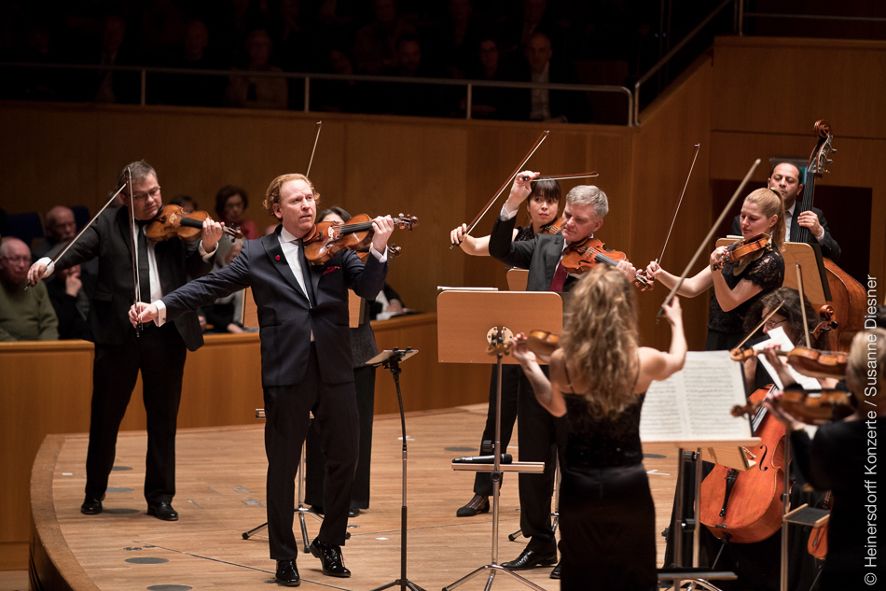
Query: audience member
[186,202]
[114,86]
[540,68]
[25,314]
[489,66]
[60,227]
[231,203]
[193,53]
[415,99]
[71,304]
[258,92]
[375,45]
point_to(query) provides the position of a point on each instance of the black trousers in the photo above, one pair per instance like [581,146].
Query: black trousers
[286,410]
[160,356]
[510,385]
[364,383]
[538,436]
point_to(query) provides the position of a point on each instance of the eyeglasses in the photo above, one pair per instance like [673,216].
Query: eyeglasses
[152,192]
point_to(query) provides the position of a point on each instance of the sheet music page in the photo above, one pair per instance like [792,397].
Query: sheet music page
[778,335]
[695,403]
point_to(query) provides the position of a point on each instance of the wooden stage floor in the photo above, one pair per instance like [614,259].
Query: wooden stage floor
[221,475]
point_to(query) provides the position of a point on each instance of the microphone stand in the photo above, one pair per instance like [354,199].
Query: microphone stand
[390,359]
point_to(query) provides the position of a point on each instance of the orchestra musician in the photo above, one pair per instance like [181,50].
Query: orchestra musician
[837,460]
[584,212]
[739,284]
[305,357]
[543,208]
[120,352]
[598,381]
[784,179]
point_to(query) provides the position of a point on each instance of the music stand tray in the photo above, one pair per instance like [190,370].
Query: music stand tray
[476,327]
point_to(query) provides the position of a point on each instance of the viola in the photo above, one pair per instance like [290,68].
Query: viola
[809,362]
[745,251]
[746,506]
[810,407]
[172,221]
[542,342]
[584,255]
[326,239]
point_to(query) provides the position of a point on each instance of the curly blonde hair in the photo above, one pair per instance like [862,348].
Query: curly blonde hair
[600,340]
[272,195]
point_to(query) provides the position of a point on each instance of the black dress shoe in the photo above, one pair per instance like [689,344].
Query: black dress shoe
[353,511]
[287,574]
[477,504]
[330,558]
[555,574]
[163,510]
[91,506]
[531,559]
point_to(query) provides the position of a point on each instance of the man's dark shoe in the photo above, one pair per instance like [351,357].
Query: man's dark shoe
[530,559]
[353,511]
[555,574]
[477,504]
[331,559]
[163,510]
[287,574]
[91,506]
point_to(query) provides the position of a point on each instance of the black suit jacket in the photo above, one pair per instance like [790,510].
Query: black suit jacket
[110,240]
[540,254]
[829,247]
[286,319]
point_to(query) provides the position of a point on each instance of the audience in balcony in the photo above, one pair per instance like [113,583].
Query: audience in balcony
[25,314]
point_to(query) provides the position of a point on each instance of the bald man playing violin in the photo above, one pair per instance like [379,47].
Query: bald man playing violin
[305,357]
[585,209]
[120,353]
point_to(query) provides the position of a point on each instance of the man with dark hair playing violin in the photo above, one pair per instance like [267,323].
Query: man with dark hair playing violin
[784,179]
[305,357]
[585,209]
[120,351]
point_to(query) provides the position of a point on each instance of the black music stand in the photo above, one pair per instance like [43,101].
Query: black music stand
[470,326]
[390,359]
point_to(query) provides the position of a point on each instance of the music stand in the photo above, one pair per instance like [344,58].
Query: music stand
[471,325]
[390,359]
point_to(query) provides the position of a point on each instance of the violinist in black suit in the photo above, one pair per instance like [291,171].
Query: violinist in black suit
[784,179]
[305,357]
[158,352]
[584,212]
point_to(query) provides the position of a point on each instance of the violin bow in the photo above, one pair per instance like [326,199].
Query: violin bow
[710,235]
[803,305]
[314,149]
[697,147]
[133,231]
[565,177]
[759,326]
[538,142]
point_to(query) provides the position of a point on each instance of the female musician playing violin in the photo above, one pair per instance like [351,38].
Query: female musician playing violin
[543,208]
[737,283]
[598,380]
[837,457]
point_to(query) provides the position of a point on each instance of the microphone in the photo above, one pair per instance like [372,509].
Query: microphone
[505,459]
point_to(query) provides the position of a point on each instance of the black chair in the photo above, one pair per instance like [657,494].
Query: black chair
[81,215]
[24,226]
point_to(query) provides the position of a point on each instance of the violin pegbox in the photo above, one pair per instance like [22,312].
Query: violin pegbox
[405,221]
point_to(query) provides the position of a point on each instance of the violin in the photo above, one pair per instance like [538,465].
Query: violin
[586,254]
[543,343]
[326,239]
[745,251]
[171,221]
[809,362]
[810,407]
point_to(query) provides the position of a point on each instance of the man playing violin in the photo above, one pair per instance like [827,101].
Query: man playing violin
[585,209]
[784,179]
[120,352]
[305,356]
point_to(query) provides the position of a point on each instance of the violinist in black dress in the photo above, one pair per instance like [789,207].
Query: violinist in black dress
[598,380]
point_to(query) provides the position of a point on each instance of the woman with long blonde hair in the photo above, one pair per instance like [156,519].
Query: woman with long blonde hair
[598,381]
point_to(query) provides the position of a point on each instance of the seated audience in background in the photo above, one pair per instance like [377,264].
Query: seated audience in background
[258,92]
[60,228]
[388,303]
[493,103]
[541,68]
[224,315]
[231,203]
[71,303]
[186,202]
[25,314]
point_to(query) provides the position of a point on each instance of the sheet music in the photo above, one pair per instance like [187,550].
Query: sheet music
[695,403]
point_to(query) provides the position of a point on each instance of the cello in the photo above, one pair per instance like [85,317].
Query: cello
[846,294]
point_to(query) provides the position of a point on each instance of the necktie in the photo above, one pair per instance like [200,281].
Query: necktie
[144,273]
[789,222]
[306,273]
[559,278]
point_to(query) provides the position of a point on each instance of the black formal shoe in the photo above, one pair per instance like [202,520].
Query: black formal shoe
[91,506]
[287,574]
[531,559]
[163,510]
[353,511]
[330,558]
[477,504]
[555,574]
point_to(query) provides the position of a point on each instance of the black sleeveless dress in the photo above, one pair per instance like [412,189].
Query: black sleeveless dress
[607,517]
